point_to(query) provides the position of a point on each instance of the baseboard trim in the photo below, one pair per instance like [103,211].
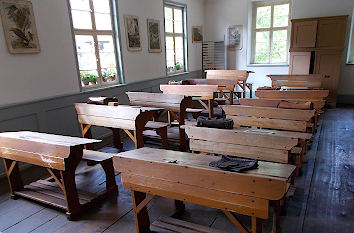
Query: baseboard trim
[345,99]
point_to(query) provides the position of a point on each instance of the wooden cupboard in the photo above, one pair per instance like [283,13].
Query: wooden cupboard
[328,64]
[303,34]
[316,48]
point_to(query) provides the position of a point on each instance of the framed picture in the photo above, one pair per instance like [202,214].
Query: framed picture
[153,29]
[132,32]
[197,34]
[234,37]
[19,26]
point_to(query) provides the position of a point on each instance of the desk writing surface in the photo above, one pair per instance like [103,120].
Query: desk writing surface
[268,181]
[48,138]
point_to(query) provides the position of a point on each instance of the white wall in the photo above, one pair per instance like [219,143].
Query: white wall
[142,65]
[219,14]
[53,71]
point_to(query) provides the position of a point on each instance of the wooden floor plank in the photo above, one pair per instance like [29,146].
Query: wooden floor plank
[20,210]
[33,221]
[330,206]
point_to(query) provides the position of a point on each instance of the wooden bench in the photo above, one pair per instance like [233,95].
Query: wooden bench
[188,177]
[292,94]
[292,104]
[224,85]
[60,155]
[273,118]
[238,76]
[197,92]
[176,106]
[307,81]
[127,118]
[274,103]
[266,145]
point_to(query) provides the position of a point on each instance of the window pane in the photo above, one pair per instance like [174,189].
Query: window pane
[109,75]
[279,49]
[177,15]
[281,15]
[168,26]
[179,57]
[105,43]
[81,19]
[80,4]
[86,52]
[103,21]
[262,47]
[168,13]
[179,42]
[263,17]
[169,43]
[107,60]
[178,27]
[101,6]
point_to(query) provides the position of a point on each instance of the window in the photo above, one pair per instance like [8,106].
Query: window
[95,42]
[175,38]
[270,33]
[350,56]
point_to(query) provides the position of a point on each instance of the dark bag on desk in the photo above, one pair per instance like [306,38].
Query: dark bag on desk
[180,82]
[223,123]
[101,100]
[235,165]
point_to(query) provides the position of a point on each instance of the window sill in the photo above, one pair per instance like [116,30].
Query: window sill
[176,74]
[267,65]
[94,89]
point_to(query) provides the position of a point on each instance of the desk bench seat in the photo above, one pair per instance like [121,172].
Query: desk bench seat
[175,225]
[96,156]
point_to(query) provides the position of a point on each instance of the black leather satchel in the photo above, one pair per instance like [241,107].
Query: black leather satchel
[223,123]
[235,165]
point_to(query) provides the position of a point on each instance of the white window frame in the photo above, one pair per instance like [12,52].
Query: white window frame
[255,5]
[94,33]
[350,54]
[183,7]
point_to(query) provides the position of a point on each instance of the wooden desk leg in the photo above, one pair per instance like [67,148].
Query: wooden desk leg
[13,176]
[231,98]
[276,216]
[142,220]
[257,225]
[71,195]
[182,135]
[139,140]
[211,108]
[162,132]
[244,89]
[111,185]
[179,207]
[116,139]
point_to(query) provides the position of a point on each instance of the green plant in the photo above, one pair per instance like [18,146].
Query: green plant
[107,73]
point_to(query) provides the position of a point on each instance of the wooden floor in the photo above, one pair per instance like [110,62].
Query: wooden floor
[323,201]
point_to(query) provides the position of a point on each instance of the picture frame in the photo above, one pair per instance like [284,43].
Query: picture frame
[154,38]
[21,35]
[132,32]
[234,37]
[197,34]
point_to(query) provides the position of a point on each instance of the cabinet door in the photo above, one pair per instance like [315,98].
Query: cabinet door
[304,34]
[331,33]
[299,62]
[328,64]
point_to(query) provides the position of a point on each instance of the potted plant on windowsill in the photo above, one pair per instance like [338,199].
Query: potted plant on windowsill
[92,78]
[84,78]
[108,75]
